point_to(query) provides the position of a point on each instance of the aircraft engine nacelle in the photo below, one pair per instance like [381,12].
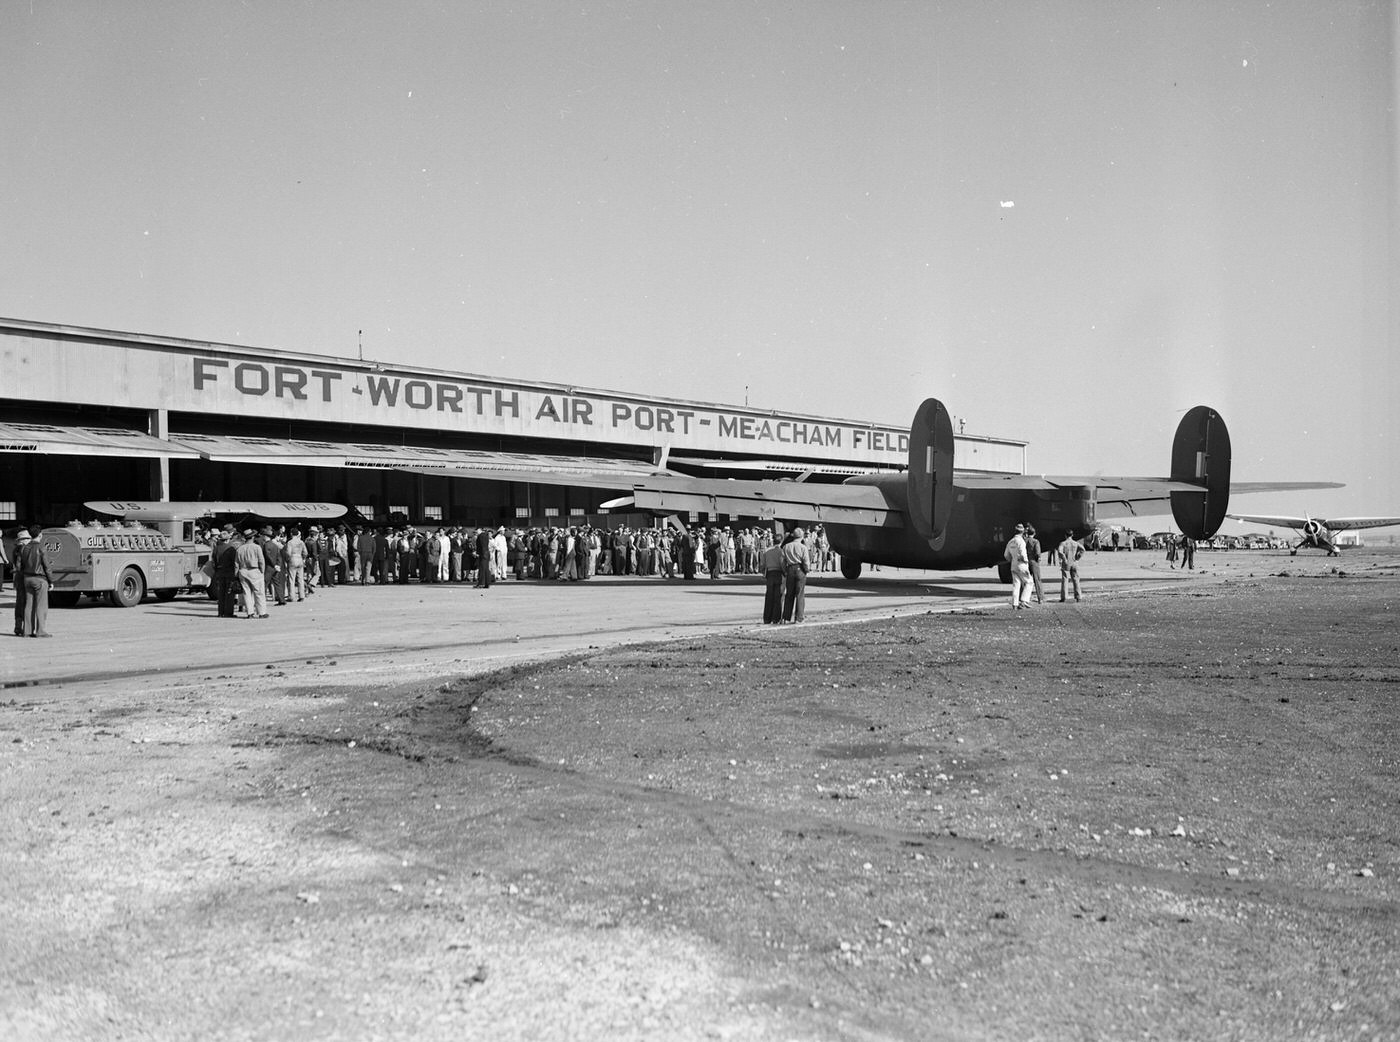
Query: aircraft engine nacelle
[931,472]
[1201,454]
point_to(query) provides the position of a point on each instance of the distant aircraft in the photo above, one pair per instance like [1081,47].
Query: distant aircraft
[1317,531]
[929,515]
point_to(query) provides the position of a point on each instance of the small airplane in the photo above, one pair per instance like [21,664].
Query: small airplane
[929,515]
[1318,532]
[161,510]
[178,520]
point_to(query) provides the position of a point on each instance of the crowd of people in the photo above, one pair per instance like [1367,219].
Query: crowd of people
[279,564]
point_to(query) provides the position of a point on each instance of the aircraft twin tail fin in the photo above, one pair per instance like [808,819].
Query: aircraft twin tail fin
[931,472]
[1201,455]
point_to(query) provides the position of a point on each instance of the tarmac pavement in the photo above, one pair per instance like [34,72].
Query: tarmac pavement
[420,629]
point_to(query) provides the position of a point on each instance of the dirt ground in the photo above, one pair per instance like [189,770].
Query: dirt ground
[1168,815]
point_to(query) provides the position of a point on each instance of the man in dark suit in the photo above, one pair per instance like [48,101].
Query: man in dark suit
[483,557]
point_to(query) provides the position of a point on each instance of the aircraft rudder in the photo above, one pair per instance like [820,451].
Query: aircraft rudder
[1201,455]
[930,475]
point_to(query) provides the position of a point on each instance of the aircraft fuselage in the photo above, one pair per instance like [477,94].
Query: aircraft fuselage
[981,523]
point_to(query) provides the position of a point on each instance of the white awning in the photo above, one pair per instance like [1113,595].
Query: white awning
[780,466]
[463,463]
[52,439]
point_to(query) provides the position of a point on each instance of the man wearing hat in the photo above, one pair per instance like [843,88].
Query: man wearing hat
[772,562]
[249,561]
[33,573]
[1017,557]
[226,572]
[19,583]
[1033,562]
[795,559]
[483,558]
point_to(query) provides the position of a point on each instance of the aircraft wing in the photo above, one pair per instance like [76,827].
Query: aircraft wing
[668,492]
[147,510]
[1347,524]
[785,500]
[1118,495]
[1335,524]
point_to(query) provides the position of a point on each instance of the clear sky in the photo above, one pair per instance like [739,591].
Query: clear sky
[1071,221]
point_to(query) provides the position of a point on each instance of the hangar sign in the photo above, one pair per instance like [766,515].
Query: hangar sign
[93,367]
[517,409]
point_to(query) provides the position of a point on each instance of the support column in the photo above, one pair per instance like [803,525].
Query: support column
[158,422]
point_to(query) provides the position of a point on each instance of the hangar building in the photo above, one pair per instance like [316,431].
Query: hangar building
[88,414]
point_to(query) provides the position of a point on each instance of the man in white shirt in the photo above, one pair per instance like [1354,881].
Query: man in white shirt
[1020,569]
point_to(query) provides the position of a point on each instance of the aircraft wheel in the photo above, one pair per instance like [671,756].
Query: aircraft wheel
[130,589]
[165,595]
[850,568]
[63,598]
[1004,573]
[1293,552]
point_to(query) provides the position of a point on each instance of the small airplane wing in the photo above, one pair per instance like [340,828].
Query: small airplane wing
[1348,524]
[577,471]
[155,510]
[1335,524]
[1264,519]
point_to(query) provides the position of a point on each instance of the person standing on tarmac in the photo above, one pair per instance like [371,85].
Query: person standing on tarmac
[1020,569]
[294,567]
[771,562]
[1069,552]
[483,557]
[1033,562]
[687,553]
[249,560]
[33,572]
[794,551]
[226,573]
[13,566]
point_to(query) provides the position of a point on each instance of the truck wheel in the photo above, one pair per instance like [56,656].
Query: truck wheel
[63,598]
[850,568]
[130,589]
[1004,573]
[165,595]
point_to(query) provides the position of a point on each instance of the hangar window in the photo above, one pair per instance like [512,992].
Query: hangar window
[432,513]
[551,511]
[8,510]
[366,509]
[522,511]
[399,510]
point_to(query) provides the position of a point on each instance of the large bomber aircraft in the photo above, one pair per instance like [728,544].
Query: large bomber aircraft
[929,515]
[1318,532]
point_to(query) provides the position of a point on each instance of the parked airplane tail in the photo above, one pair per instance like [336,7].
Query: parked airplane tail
[1201,455]
[931,472]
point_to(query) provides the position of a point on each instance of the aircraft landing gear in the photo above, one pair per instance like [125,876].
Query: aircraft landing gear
[850,568]
[1004,573]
